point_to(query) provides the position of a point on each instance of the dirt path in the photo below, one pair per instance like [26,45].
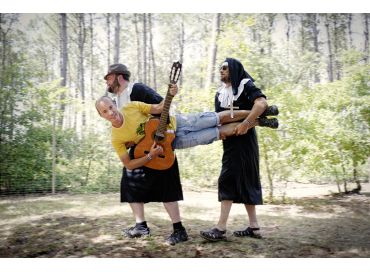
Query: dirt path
[313,225]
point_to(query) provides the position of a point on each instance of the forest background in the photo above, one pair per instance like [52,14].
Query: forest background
[315,67]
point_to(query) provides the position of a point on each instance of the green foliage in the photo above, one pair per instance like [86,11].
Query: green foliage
[323,131]
[26,144]
[201,165]
[324,127]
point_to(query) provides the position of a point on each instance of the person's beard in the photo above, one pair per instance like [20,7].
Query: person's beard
[115,86]
[225,79]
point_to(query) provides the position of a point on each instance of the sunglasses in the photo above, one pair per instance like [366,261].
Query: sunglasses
[224,68]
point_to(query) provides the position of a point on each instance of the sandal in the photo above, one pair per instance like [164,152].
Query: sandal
[214,235]
[248,232]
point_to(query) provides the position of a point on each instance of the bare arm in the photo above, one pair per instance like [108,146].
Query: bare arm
[158,108]
[260,105]
[155,150]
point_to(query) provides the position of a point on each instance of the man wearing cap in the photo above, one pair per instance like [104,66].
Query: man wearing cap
[143,185]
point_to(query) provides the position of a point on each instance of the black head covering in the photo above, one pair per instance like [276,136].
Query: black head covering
[237,73]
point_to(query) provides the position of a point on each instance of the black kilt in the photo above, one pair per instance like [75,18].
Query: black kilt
[148,185]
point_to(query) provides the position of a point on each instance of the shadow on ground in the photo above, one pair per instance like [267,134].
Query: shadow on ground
[331,226]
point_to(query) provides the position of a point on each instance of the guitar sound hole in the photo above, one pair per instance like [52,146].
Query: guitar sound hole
[158,138]
[146,152]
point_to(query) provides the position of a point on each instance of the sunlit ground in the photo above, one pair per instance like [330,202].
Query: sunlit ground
[313,224]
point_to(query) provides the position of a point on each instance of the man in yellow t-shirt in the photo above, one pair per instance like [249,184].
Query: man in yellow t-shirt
[135,115]
[191,130]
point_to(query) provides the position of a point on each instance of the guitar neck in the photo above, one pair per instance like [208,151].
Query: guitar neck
[174,76]
[164,115]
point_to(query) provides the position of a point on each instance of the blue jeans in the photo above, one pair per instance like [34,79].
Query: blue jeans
[196,129]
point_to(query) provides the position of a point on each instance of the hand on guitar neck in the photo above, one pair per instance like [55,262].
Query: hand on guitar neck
[158,108]
[172,88]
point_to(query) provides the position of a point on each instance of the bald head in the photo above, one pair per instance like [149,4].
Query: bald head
[107,109]
[103,101]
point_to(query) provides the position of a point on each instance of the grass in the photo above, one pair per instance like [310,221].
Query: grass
[90,225]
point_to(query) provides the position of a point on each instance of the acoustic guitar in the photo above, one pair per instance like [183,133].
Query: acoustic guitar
[156,130]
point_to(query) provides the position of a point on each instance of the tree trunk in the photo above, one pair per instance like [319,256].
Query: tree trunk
[53,155]
[366,37]
[7,78]
[287,34]
[355,176]
[344,176]
[12,111]
[213,50]
[81,66]
[152,52]
[92,66]
[108,40]
[138,55]
[6,24]
[3,44]
[182,45]
[117,39]
[330,64]
[145,69]
[349,26]
[268,171]
[149,53]
[336,47]
[302,36]
[337,181]
[271,19]
[88,168]
[315,33]
[63,62]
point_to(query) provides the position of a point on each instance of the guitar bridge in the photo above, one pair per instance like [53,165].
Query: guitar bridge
[161,156]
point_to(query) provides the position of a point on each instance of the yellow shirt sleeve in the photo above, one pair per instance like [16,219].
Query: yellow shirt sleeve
[143,107]
[120,148]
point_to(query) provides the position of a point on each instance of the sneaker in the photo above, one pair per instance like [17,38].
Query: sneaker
[177,236]
[137,231]
[265,122]
[270,111]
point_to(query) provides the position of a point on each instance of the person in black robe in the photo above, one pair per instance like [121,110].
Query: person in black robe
[143,185]
[239,181]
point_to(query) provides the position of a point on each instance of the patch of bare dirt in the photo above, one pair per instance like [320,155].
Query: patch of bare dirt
[318,225]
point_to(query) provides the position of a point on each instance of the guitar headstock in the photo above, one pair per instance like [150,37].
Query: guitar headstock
[175,72]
